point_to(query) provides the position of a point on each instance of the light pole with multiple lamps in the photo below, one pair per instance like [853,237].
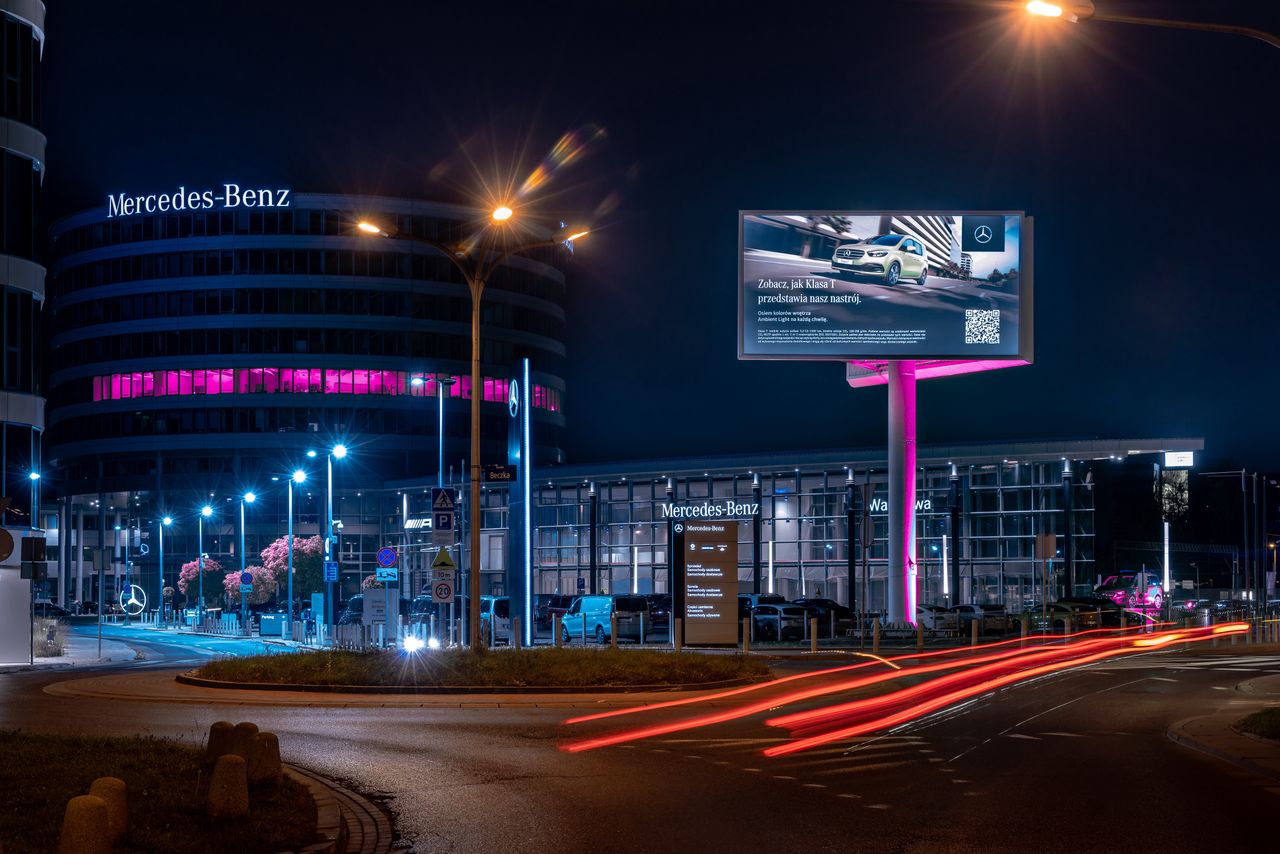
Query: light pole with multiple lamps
[338,452]
[476,258]
[248,498]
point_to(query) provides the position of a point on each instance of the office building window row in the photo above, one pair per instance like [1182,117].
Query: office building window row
[20,99]
[18,337]
[292,262]
[356,381]
[20,221]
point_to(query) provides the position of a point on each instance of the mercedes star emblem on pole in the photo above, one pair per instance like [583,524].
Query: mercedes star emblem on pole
[513,399]
[133,599]
[982,234]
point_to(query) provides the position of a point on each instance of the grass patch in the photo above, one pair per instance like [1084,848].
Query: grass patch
[1265,723]
[550,667]
[40,773]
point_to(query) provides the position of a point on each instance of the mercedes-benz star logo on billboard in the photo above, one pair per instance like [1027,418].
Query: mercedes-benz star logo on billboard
[513,399]
[982,234]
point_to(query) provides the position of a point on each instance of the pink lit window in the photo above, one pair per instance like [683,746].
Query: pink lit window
[376,384]
[184,382]
[462,387]
[171,382]
[197,381]
[97,388]
[115,386]
[271,380]
[286,380]
[345,382]
[316,384]
[360,381]
[331,382]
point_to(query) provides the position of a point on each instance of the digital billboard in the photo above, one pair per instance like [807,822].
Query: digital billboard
[710,558]
[879,285]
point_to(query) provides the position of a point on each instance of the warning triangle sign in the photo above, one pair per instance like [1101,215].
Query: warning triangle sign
[443,500]
[443,560]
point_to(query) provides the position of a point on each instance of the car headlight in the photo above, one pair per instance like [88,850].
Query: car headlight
[878,254]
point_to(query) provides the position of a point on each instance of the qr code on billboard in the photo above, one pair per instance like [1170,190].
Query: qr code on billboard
[982,326]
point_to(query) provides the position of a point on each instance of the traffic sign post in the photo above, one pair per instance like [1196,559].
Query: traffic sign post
[330,571]
[444,509]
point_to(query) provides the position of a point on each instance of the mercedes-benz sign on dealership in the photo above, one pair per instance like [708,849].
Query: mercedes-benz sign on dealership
[880,285]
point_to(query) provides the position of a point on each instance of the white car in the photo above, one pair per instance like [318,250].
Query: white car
[887,257]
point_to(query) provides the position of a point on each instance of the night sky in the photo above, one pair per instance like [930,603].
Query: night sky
[1148,158]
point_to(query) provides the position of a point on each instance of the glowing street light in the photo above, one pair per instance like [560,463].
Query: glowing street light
[164,523]
[299,476]
[205,512]
[477,257]
[339,451]
[248,498]
[1084,10]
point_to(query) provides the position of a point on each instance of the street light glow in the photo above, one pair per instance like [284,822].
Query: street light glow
[35,475]
[249,498]
[578,234]
[311,454]
[1047,10]
[339,451]
[299,476]
[368,227]
[206,511]
[417,381]
[502,213]
[168,520]
[413,644]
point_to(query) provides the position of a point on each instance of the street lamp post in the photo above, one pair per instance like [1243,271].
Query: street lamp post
[248,498]
[1084,10]
[164,523]
[476,258]
[299,476]
[205,512]
[338,452]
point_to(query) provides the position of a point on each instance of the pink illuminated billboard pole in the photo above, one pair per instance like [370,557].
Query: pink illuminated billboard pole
[901,579]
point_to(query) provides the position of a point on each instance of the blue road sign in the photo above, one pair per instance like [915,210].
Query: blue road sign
[442,499]
[442,521]
[246,588]
[582,584]
[246,578]
[330,570]
[386,556]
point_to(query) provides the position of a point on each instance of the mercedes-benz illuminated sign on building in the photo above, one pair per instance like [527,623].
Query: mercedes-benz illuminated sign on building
[857,285]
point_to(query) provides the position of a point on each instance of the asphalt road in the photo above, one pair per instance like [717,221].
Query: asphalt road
[1073,762]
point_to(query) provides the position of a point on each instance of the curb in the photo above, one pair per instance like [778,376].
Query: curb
[28,668]
[348,823]
[1177,733]
[189,679]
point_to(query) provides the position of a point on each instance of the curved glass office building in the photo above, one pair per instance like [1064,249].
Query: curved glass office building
[205,339]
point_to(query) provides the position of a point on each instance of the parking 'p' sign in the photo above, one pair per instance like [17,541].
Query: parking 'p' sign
[386,557]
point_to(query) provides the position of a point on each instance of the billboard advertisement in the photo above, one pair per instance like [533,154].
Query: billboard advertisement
[846,285]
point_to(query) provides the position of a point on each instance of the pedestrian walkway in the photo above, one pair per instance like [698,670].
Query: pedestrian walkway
[80,651]
[1215,734]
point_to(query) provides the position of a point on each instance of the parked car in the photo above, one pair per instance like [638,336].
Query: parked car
[772,622]
[887,257]
[1140,588]
[546,606]
[659,610]
[1056,617]
[937,620]
[495,619]
[990,618]
[592,614]
[423,608]
[50,610]
[834,619]
[1110,615]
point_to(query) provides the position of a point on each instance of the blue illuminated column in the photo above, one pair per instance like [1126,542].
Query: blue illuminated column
[520,501]
[164,523]
[248,498]
[299,476]
[205,512]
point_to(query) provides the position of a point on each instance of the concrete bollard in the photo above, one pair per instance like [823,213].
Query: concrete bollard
[919,637]
[1024,623]
[84,827]
[242,738]
[973,633]
[613,630]
[265,765]
[677,636]
[555,631]
[875,636]
[114,794]
[220,740]
[813,634]
[228,787]
[746,635]
[515,633]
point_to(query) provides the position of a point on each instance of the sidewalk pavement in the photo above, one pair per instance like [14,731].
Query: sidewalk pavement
[1215,734]
[80,651]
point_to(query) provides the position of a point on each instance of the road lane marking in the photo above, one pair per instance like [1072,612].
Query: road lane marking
[1162,679]
[850,796]
[1019,735]
[1064,734]
[814,785]
[877,806]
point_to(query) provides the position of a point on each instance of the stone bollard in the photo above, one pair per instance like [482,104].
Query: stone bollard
[556,631]
[875,636]
[113,793]
[746,635]
[242,737]
[919,637]
[228,787]
[219,742]
[973,633]
[613,630]
[84,827]
[1025,628]
[264,766]
[813,634]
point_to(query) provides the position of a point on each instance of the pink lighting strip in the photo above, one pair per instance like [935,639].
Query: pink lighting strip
[875,371]
[357,381]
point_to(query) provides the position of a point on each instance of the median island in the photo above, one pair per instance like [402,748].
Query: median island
[524,669]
